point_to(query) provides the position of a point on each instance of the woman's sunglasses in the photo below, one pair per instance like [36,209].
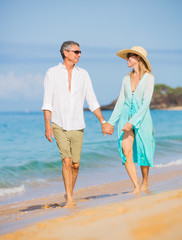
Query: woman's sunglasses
[131,54]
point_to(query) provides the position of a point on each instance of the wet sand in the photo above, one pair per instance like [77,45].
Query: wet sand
[102,212]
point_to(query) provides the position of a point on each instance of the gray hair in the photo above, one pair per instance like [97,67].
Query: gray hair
[66,46]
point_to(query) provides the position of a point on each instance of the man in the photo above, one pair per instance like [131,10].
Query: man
[65,89]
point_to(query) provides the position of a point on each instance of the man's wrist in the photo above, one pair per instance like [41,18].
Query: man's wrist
[103,121]
[47,125]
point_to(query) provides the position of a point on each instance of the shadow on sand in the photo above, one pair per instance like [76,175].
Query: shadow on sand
[58,205]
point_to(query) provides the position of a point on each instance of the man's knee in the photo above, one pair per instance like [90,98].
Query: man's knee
[67,163]
[76,166]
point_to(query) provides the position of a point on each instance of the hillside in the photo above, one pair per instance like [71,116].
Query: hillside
[164,97]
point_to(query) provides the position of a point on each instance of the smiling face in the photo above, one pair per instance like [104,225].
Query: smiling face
[132,60]
[72,55]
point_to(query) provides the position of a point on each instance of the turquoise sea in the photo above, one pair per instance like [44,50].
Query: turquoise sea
[30,166]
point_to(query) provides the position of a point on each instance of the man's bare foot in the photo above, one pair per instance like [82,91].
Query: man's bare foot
[65,196]
[70,204]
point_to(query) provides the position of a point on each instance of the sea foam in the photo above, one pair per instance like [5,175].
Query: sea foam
[173,163]
[11,191]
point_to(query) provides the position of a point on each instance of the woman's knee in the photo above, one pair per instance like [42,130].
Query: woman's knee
[128,152]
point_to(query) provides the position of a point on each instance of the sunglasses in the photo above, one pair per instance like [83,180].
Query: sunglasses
[75,51]
[131,54]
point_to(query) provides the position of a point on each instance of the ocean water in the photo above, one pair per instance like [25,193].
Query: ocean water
[30,166]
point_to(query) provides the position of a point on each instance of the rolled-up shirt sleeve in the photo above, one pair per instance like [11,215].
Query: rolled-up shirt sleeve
[48,93]
[90,95]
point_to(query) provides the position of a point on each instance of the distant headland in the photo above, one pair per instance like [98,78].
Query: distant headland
[164,97]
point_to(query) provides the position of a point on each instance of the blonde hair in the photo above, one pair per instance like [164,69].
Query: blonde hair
[142,68]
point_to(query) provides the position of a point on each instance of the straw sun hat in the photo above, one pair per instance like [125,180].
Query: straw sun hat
[140,51]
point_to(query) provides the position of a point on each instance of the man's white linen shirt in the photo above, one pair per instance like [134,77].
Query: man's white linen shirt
[67,107]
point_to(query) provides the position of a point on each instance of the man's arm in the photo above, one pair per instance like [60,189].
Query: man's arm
[100,117]
[48,128]
[95,108]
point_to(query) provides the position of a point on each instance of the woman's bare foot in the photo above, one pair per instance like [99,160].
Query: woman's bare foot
[144,188]
[135,191]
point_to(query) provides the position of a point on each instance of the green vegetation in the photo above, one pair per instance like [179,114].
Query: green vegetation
[164,89]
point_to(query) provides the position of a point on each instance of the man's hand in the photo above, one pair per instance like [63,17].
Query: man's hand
[107,129]
[48,128]
[49,133]
[127,127]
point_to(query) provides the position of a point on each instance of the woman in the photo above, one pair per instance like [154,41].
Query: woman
[135,129]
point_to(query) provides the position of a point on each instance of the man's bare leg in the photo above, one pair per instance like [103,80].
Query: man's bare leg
[127,145]
[145,173]
[75,169]
[67,178]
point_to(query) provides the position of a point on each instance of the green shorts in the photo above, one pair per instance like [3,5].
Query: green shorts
[69,142]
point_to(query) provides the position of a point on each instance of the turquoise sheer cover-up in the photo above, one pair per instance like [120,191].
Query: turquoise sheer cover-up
[133,107]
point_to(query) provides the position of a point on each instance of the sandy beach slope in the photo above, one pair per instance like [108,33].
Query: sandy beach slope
[156,216]
[103,212]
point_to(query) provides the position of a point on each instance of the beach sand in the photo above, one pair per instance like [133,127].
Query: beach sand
[176,108]
[103,212]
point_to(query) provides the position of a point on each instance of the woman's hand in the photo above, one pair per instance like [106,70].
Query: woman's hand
[107,129]
[127,127]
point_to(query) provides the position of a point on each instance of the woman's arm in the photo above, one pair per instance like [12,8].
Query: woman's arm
[119,104]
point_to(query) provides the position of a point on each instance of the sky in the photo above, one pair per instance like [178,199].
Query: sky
[32,31]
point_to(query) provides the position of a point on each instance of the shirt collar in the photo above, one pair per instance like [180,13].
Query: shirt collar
[64,67]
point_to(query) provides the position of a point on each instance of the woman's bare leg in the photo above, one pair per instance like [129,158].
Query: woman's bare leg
[127,146]
[145,173]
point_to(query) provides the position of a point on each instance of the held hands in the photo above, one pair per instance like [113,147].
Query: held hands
[107,129]
[49,133]
[127,127]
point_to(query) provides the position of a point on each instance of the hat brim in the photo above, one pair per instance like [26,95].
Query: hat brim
[123,54]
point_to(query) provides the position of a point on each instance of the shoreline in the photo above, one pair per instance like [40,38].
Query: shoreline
[111,108]
[22,214]
[176,108]
[136,219]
